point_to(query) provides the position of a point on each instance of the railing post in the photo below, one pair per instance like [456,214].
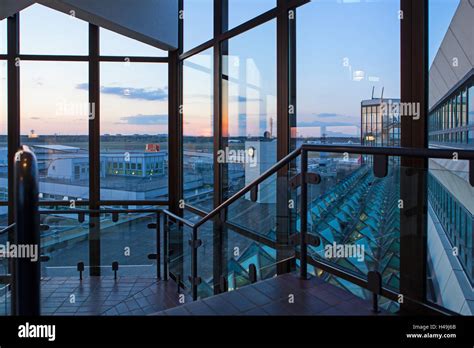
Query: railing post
[194,265]
[27,270]
[166,256]
[303,215]
[158,246]
[252,273]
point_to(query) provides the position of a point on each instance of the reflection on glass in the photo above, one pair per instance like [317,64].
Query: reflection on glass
[249,106]
[47,31]
[128,241]
[198,22]
[113,44]
[54,123]
[450,125]
[198,158]
[66,243]
[134,131]
[341,77]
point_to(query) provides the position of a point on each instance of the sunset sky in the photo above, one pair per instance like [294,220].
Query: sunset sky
[335,39]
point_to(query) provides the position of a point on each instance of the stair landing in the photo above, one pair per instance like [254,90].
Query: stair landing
[282,295]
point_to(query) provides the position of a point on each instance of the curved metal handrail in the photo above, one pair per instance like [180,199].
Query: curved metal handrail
[303,150]
[351,149]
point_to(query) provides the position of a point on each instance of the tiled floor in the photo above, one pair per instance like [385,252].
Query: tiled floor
[106,296]
[283,295]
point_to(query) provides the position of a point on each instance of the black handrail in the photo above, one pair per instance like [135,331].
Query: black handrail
[98,211]
[269,172]
[27,271]
[8,228]
[179,218]
[352,149]
[391,151]
[303,150]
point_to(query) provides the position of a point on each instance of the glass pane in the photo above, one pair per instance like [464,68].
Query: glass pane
[55,124]
[241,11]
[179,251]
[260,216]
[450,242]
[113,44]
[205,257]
[47,31]
[198,130]
[134,131]
[241,254]
[181,255]
[65,242]
[3,133]
[340,74]
[3,36]
[128,241]
[451,212]
[5,290]
[249,106]
[357,217]
[198,22]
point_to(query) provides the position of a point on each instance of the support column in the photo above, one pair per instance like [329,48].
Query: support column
[94,151]
[221,23]
[413,182]
[284,91]
[175,139]
[13,88]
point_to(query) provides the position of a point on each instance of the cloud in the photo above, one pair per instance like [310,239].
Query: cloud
[144,120]
[131,93]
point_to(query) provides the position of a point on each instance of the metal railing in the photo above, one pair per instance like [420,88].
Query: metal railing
[115,218]
[26,271]
[380,166]
[27,212]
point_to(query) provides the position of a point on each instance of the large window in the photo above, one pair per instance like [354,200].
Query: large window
[54,123]
[46,31]
[348,89]
[348,57]
[249,105]
[198,155]
[134,131]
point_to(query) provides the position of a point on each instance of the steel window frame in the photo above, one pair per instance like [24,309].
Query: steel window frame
[414,87]
[94,59]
